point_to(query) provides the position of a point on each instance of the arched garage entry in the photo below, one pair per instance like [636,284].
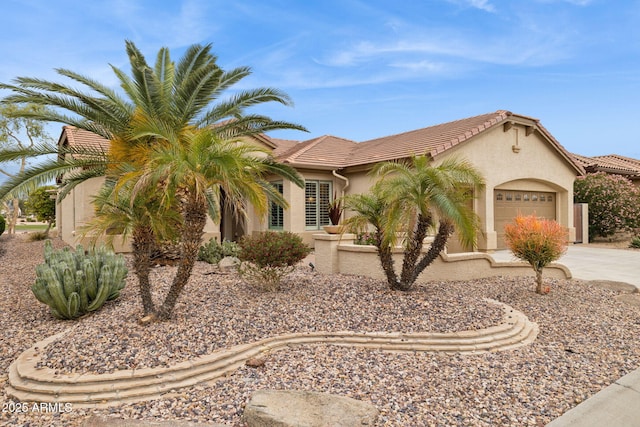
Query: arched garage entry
[525,198]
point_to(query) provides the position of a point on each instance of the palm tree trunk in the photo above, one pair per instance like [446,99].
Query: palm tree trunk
[445,229]
[195,217]
[386,260]
[142,243]
[413,250]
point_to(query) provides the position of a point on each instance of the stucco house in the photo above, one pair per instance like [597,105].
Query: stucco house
[525,168]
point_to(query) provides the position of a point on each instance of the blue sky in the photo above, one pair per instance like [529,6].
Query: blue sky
[361,69]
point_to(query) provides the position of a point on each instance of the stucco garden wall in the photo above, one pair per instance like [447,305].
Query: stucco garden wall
[337,254]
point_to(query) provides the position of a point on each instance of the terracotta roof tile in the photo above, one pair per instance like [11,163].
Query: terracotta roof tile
[432,140]
[325,151]
[282,145]
[612,163]
[80,137]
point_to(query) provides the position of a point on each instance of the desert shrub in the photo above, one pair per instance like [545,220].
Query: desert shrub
[537,241]
[3,224]
[635,242]
[269,256]
[37,235]
[614,203]
[212,251]
[73,283]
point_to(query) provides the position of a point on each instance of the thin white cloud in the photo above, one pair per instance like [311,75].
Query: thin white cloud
[484,5]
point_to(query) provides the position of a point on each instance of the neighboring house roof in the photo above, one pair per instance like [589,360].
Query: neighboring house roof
[611,163]
[329,152]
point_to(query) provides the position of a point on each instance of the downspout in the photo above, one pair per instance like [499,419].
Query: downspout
[346,183]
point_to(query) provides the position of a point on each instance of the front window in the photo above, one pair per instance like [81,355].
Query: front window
[317,197]
[276,212]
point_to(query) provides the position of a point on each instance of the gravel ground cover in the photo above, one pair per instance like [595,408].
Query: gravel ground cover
[587,340]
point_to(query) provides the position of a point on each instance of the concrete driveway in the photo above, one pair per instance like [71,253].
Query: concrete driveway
[594,263]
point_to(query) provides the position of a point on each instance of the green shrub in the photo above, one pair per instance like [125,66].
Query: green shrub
[74,283]
[212,252]
[3,224]
[635,242]
[269,256]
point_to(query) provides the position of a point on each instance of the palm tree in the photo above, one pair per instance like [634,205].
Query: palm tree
[163,105]
[371,209]
[415,195]
[118,213]
[192,173]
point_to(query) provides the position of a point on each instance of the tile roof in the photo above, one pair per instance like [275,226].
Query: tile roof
[325,152]
[332,152]
[80,137]
[432,140]
[611,163]
[282,145]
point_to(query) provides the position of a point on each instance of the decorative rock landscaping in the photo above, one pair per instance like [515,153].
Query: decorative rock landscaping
[587,339]
[27,382]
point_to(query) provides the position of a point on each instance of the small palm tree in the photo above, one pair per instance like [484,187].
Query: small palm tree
[413,196]
[371,209]
[192,174]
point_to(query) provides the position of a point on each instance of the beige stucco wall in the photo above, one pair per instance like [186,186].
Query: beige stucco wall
[76,209]
[338,254]
[294,216]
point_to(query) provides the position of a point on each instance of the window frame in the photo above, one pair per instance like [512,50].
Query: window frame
[279,209]
[321,217]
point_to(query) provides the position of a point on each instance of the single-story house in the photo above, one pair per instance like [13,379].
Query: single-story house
[525,168]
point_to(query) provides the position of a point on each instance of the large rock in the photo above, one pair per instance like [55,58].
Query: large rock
[228,263]
[288,408]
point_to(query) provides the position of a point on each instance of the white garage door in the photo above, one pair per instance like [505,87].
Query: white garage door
[509,203]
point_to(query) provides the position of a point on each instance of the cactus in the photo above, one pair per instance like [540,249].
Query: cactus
[73,283]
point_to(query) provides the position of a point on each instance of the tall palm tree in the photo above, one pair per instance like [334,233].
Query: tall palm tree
[164,104]
[416,195]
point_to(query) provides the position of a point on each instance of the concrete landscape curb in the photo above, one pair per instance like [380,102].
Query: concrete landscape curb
[27,382]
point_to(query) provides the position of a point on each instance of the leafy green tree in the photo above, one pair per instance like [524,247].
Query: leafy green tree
[42,205]
[18,131]
[163,108]
[614,203]
[408,199]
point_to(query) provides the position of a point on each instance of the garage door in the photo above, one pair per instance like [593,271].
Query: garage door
[508,203]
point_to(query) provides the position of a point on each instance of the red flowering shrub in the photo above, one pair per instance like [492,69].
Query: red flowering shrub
[614,203]
[537,241]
